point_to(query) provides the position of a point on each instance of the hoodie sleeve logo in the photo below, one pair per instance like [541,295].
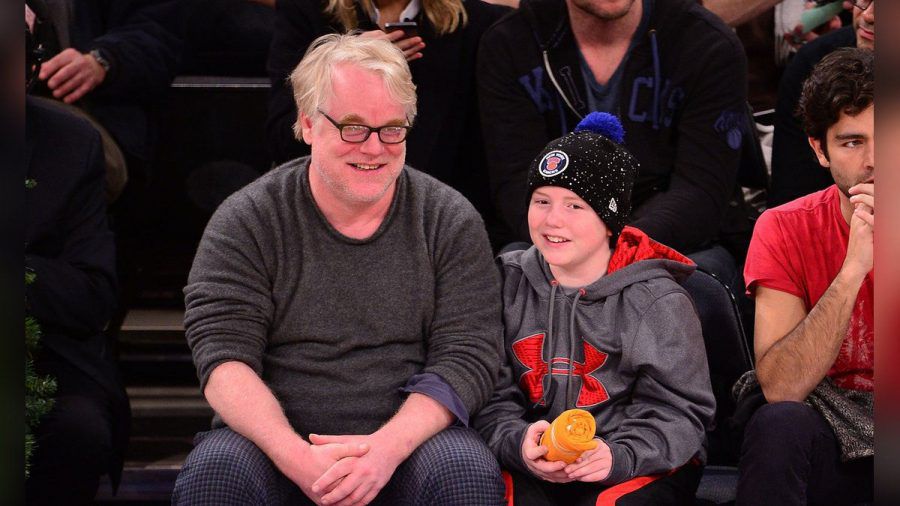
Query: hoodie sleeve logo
[529,352]
[553,163]
[730,125]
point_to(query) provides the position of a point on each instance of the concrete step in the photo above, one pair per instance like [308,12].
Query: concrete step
[167,401]
[153,324]
[145,486]
[164,422]
[152,350]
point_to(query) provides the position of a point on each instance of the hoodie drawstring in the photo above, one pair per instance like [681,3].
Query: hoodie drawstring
[656,79]
[558,87]
[580,293]
[549,341]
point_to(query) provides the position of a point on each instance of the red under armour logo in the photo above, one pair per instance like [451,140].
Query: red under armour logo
[528,351]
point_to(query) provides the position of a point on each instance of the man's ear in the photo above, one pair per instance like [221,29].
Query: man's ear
[303,128]
[816,146]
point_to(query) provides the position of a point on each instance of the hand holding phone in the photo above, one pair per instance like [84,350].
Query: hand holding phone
[404,35]
[409,28]
[411,44]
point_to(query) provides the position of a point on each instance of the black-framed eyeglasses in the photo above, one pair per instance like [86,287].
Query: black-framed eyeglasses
[351,132]
[862,4]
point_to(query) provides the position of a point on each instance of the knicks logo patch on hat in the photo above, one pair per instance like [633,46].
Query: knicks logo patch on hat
[553,163]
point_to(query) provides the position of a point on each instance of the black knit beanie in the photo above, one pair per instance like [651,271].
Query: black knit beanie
[592,163]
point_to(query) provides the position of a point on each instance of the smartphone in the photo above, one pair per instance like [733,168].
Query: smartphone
[410,28]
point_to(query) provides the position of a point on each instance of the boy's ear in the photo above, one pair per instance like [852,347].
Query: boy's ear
[817,148]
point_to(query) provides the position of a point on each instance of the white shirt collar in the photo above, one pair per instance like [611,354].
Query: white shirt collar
[409,13]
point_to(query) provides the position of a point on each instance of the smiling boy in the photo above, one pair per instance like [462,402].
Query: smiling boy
[595,319]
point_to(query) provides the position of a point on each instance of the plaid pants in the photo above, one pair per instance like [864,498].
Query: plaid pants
[452,468]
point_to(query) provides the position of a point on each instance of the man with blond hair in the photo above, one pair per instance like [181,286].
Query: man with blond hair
[333,312]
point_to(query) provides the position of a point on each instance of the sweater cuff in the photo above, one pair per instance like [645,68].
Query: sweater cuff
[513,458]
[434,386]
[622,463]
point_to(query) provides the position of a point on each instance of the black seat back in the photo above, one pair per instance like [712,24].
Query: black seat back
[728,353]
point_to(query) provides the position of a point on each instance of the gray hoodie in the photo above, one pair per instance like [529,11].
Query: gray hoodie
[637,348]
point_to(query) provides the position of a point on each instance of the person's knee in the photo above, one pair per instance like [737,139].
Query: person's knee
[460,468]
[475,462]
[74,448]
[89,434]
[224,468]
[718,261]
[80,431]
[781,426]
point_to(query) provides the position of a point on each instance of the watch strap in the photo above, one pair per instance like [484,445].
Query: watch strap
[102,60]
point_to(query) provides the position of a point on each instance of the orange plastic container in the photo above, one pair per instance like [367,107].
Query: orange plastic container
[569,435]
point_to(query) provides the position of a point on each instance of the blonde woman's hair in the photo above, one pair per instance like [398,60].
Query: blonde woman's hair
[311,80]
[446,15]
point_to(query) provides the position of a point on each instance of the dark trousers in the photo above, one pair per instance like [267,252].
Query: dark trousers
[74,441]
[790,456]
[675,488]
[452,468]
[717,261]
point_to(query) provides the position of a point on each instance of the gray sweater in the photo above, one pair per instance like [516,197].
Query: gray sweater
[336,326]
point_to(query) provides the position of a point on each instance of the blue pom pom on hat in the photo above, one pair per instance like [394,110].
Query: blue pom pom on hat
[605,124]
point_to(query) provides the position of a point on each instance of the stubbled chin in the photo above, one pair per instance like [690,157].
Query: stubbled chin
[845,191]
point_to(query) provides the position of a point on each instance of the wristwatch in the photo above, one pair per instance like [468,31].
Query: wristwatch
[100,59]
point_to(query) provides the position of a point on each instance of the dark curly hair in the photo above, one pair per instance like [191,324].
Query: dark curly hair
[844,81]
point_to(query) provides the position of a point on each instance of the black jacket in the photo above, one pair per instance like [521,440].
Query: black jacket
[70,248]
[142,39]
[795,169]
[446,139]
[682,104]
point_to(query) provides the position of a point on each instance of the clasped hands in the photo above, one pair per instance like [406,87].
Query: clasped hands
[592,465]
[344,470]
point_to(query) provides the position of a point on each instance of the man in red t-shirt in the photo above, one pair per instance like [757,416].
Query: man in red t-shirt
[809,268]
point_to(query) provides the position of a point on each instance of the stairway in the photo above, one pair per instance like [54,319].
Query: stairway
[167,408]
[205,121]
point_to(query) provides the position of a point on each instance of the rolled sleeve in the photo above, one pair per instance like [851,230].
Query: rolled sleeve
[435,387]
